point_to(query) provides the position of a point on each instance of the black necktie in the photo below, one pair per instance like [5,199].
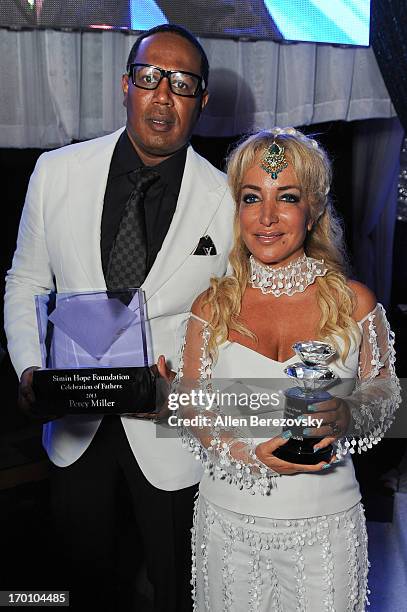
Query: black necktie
[128,257]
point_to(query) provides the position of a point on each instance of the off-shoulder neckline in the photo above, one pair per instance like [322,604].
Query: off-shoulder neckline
[253,351]
[360,322]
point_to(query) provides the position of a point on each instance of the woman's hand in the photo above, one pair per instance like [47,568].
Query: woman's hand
[335,416]
[265,450]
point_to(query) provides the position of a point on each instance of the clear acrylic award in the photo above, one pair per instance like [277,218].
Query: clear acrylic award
[94,354]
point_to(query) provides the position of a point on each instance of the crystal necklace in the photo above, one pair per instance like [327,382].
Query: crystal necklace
[286,280]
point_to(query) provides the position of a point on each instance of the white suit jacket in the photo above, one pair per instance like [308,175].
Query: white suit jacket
[58,247]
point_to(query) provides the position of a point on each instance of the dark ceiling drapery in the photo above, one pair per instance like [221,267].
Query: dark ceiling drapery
[389,41]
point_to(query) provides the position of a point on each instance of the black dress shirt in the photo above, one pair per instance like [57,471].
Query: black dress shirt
[159,203]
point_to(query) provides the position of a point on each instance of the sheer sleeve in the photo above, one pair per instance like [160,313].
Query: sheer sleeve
[376,397]
[224,451]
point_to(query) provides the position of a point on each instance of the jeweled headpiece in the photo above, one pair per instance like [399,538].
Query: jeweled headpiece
[274,160]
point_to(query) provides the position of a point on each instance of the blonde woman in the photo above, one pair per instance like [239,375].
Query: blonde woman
[270,534]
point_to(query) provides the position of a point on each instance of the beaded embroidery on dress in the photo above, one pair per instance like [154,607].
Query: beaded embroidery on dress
[244,563]
[232,456]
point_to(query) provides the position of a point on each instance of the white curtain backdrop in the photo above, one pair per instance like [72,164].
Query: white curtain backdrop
[59,86]
[62,86]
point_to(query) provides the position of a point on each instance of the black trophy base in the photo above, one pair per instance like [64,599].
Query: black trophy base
[95,391]
[302,452]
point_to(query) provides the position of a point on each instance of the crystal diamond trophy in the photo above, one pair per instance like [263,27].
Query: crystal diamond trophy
[312,377]
[94,354]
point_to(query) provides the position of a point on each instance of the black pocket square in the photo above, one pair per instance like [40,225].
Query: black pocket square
[205,246]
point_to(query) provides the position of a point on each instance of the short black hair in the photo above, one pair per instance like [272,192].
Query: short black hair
[179,31]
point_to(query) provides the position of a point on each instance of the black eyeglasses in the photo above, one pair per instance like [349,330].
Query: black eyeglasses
[181,83]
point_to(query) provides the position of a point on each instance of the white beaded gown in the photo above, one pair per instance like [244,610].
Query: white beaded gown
[264,542]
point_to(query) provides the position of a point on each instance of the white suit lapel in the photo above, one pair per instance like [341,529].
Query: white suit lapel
[196,206]
[85,205]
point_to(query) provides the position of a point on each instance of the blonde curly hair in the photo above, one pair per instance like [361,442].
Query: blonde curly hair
[335,298]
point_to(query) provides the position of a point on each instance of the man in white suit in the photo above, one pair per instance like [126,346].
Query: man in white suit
[71,216]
